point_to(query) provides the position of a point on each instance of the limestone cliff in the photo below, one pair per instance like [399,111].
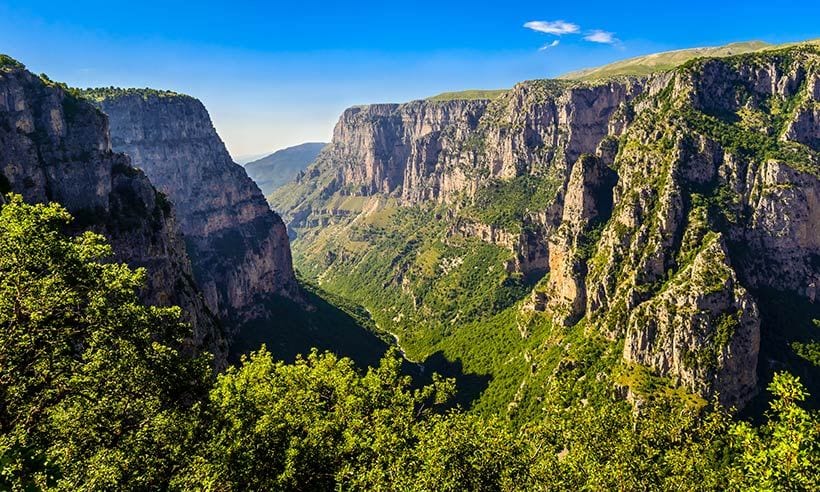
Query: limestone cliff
[55,147]
[661,208]
[238,246]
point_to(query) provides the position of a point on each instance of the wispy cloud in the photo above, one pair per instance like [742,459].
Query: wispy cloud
[557,27]
[599,36]
[549,45]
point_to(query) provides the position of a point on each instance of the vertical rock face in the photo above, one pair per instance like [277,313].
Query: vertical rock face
[703,329]
[435,150]
[671,202]
[238,246]
[400,148]
[588,203]
[55,147]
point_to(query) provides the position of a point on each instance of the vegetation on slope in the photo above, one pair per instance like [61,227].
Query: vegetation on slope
[467,95]
[94,387]
[455,303]
[98,392]
[102,93]
[665,61]
[9,62]
[660,62]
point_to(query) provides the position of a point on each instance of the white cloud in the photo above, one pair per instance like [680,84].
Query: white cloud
[599,36]
[558,27]
[548,46]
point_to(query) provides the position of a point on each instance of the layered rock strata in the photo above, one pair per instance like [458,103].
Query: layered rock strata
[238,246]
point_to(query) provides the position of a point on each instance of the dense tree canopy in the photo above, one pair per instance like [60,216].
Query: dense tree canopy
[93,389]
[98,393]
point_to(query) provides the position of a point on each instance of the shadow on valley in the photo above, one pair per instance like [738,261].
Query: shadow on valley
[468,386]
[292,330]
[336,325]
[789,341]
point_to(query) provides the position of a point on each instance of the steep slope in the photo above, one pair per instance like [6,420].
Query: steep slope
[661,62]
[274,170]
[238,246]
[632,232]
[55,147]
[657,62]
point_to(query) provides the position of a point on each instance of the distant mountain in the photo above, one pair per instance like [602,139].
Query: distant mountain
[246,158]
[276,169]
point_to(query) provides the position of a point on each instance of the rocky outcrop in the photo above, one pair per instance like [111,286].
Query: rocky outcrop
[55,147]
[238,246]
[395,148]
[702,329]
[587,205]
[437,150]
[530,254]
[712,200]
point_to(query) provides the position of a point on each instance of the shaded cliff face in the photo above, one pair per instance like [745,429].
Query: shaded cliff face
[55,147]
[662,211]
[238,246]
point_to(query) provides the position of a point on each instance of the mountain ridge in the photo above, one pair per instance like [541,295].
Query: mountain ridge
[277,168]
[637,66]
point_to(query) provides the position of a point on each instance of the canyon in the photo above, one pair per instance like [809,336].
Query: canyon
[661,212]
[667,221]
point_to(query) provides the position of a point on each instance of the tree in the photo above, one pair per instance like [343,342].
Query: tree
[308,425]
[94,390]
[783,453]
[97,394]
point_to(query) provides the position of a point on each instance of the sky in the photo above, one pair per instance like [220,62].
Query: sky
[275,74]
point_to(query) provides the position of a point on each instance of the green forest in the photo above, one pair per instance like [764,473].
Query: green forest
[99,391]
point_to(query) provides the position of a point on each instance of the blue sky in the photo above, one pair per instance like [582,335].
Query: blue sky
[274,74]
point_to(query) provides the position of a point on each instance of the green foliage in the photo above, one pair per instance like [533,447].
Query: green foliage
[452,279]
[100,94]
[784,453]
[97,394]
[505,203]
[319,424]
[7,62]
[94,392]
[311,424]
[752,144]
[467,95]
[808,350]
